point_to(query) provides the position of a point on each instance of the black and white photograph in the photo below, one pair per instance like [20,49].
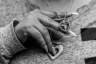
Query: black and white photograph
[47,31]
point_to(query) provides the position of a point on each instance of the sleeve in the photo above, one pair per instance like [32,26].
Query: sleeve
[9,43]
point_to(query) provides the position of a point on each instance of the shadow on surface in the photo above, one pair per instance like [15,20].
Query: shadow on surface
[91,60]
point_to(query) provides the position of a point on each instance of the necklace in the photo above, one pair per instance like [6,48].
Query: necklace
[71,5]
[68,7]
[64,25]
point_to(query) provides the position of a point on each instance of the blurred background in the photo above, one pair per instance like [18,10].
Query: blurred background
[60,5]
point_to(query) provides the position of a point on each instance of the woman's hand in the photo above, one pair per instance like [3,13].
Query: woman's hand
[35,24]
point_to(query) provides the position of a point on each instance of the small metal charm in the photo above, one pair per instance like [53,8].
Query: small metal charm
[64,26]
[59,49]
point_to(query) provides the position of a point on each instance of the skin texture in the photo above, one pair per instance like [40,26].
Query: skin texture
[38,24]
[34,24]
[27,56]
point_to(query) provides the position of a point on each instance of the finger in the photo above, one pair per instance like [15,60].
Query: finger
[62,14]
[48,22]
[37,35]
[74,13]
[49,14]
[46,37]
[56,35]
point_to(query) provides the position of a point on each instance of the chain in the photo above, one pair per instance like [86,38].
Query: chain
[64,24]
[70,5]
[67,10]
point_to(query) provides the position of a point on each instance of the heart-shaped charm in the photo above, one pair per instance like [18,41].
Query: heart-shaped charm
[59,49]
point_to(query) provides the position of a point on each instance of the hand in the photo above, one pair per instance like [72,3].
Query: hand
[34,24]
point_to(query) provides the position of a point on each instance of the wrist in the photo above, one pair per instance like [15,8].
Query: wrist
[20,33]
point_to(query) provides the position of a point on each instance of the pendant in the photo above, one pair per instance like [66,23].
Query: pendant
[59,49]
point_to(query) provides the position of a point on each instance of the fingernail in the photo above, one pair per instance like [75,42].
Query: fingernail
[75,13]
[72,33]
[53,50]
[46,49]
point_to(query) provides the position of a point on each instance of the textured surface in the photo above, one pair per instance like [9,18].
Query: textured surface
[9,44]
[10,9]
[74,49]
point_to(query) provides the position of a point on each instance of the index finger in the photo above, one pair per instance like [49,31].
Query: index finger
[62,14]
[48,13]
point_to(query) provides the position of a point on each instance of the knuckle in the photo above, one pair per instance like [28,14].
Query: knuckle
[38,36]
